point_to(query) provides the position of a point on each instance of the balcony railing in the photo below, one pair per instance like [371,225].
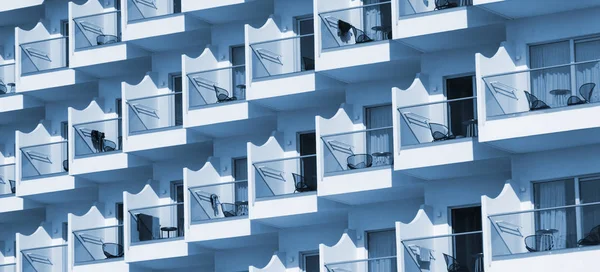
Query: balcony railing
[97,29]
[217,201]
[157,223]
[538,89]
[45,159]
[438,121]
[7,179]
[44,55]
[286,176]
[454,252]
[358,149]
[146,9]
[98,137]
[411,7]
[7,79]
[383,264]
[155,112]
[97,244]
[356,25]
[283,56]
[8,267]
[545,230]
[220,85]
[52,258]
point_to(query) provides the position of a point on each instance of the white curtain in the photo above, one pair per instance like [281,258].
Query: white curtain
[379,140]
[553,194]
[382,244]
[589,72]
[543,82]
[590,193]
[373,17]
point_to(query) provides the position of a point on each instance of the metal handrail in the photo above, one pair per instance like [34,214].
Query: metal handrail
[363,260]
[157,206]
[40,41]
[94,15]
[8,164]
[544,209]
[217,69]
[443,236]
[45,247]
[363,6]
[153,96]
[285,159]
[357,131]
[38,145]
[99,121]
[283,39]
[438,102]
[541,68]
[218,184]
[97,228]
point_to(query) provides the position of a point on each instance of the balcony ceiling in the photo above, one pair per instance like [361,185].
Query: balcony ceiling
[515,9]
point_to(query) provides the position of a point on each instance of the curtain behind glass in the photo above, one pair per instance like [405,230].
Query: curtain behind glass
[544,81]
[556,194]
[589,72]
[372,18]
[240,169]
[382,244]
[379,140]
[590,193]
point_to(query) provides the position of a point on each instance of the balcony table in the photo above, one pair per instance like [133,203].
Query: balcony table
[382,158]
[168,230]
[471,125]
[478,262]
[560,96]
[384,30]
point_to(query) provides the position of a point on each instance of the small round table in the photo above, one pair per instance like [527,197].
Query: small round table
[471,127]
[168,230]
[560,96]
[384,30]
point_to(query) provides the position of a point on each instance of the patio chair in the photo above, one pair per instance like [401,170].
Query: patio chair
[446,4]
[592,238]
[112,250]
[535,103]
[452,265]
[359,161]
[214,203]
[586,91]
[97,140]
[229,209]
[66,165]
[223,95]
[440,132]
[309,64]
[539,242]
[13,186]
[106,39]
[3,89]
[360,36]
[300,183]
[109,146]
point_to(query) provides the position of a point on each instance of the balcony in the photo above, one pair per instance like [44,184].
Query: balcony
[383,264]
[282,74]
[461,25]
[51,258]
[516,103]
[98,137]
[7,79]
[439,139]
[157,223]
[219,201]
[353,42]
[452,252]
[42,164]
[98,244]
[283,190]
[546,237]
[96,46]
[13,104]
[160,26]
[42,64]
[227,11]
[514,9]
[7,180]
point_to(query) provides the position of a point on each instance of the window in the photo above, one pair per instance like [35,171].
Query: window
[307,145]
[309,261]
[564,77]
[176,87]
[379,140]
[381,244]
[305,26]
[118,109]
[238,58]
[65,231]
[240,169]
[64,130]
[569,224]
[177,191]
